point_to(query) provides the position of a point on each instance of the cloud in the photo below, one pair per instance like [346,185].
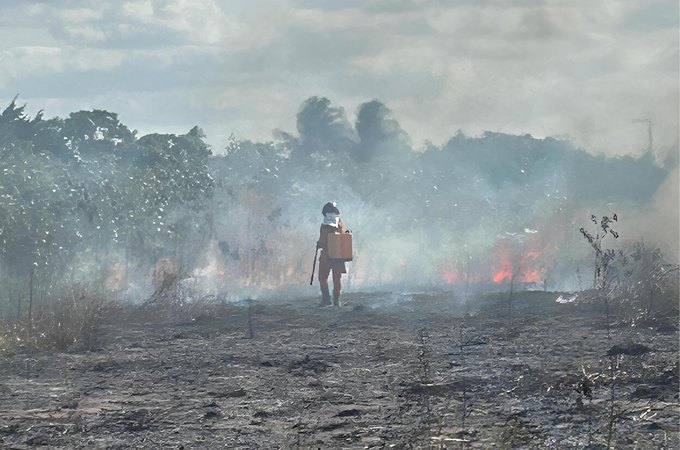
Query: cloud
[197,21]
[140,23]
[77,15]
[578,68]
[20,65]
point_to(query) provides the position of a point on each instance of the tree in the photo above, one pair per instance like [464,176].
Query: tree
[603,257]
[89,134]
[323,129]
[170,177]
[379,134]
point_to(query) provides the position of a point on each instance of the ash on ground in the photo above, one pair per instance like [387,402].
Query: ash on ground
[382,371]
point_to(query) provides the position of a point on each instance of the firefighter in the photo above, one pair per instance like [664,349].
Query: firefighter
[331,224]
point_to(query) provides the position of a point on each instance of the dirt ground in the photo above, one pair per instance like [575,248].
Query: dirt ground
[383,371]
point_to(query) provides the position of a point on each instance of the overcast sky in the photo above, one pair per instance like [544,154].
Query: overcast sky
[577,68]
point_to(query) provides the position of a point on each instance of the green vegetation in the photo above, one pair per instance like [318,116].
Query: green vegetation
[83,199]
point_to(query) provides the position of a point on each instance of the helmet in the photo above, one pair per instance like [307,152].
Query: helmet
[330,207]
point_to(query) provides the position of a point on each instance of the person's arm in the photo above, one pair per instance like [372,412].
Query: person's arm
[319,243]
[341,226]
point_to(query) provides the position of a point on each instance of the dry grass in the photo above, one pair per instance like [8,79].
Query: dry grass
[70,323]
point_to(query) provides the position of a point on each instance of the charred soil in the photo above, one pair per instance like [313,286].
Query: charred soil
[384,370]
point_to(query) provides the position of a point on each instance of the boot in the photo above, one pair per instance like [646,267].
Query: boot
[336,300]
[325,300]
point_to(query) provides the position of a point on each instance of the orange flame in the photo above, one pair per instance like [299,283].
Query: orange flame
[504,268]
[532,276]
[528,274]
[450,276]
[504,274]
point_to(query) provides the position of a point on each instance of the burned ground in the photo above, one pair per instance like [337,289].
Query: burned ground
[383,371]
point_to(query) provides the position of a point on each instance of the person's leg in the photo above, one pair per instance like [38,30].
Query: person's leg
[337,285]
[324,271]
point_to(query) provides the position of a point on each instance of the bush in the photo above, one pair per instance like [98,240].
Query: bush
[71,323]
[643,284]
[74,320]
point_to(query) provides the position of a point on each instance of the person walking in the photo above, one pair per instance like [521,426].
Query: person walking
[331,224]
